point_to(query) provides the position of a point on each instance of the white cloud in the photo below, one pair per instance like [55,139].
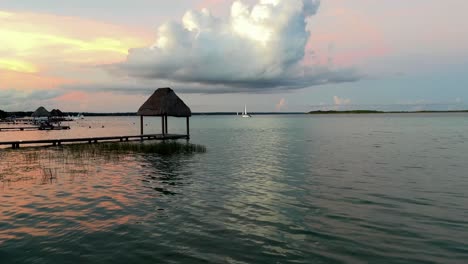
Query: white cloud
[255,48]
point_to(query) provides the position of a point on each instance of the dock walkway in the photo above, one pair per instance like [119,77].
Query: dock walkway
[90,140]
[31,128]
[16,122]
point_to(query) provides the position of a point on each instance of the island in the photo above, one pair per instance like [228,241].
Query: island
[320,112]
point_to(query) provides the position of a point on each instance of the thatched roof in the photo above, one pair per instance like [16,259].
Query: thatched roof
[164,101]
[41,112]
[56,112]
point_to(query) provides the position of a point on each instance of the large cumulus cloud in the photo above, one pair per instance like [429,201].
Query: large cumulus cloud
[256,48]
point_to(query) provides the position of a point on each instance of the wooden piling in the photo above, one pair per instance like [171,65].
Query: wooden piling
[188,127]
[141,125]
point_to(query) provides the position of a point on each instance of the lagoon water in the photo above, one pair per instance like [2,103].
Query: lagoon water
[387,188]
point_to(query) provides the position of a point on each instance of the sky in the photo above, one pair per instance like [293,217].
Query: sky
[219,55]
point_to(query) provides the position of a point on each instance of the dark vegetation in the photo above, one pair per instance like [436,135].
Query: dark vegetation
[16,114]
[161,148]
[57,112]
[29,113]
[195,114]
[102,114]
[347,112]
[383,112]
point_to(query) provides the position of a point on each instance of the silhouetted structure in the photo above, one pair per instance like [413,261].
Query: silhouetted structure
[41,112]
[57,113]
[164,102]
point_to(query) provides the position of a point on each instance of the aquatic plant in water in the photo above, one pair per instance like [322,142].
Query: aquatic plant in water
[45,164]
[162,148]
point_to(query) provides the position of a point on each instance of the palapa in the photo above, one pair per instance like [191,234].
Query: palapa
[56,113]
[41,112]
[164,102]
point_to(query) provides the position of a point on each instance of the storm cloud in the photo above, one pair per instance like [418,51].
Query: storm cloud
[257,48]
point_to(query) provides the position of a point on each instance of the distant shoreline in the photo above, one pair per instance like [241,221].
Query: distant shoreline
[383,112]
[29,113]
[331,112]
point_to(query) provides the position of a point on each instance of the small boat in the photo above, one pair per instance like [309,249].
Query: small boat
[49,126]
[245,115]
[74,118]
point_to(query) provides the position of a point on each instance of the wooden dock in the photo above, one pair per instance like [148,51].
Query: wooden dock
[16,122]
[91,140]
[32,128]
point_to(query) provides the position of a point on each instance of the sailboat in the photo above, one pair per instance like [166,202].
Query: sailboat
[245,113]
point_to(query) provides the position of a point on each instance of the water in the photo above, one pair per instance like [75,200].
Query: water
[270,189]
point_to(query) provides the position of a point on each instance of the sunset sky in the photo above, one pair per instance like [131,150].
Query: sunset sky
[273,55]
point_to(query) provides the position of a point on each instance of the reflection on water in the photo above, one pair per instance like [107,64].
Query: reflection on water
[86,191]
[163,174]
[273,189]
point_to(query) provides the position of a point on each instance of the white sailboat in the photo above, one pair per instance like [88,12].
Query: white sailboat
[245,113]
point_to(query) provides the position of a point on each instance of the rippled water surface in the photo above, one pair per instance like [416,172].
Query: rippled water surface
[270,189]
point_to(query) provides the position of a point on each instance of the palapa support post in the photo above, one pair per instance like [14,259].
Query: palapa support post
[165,118]
[141,125]
[188,127]
[162,125]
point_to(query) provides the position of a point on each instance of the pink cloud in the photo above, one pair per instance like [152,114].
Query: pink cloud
[281,104]
[42,51]
[341,101]
[30,81]
[73,97]
[208,3]
[343,37]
